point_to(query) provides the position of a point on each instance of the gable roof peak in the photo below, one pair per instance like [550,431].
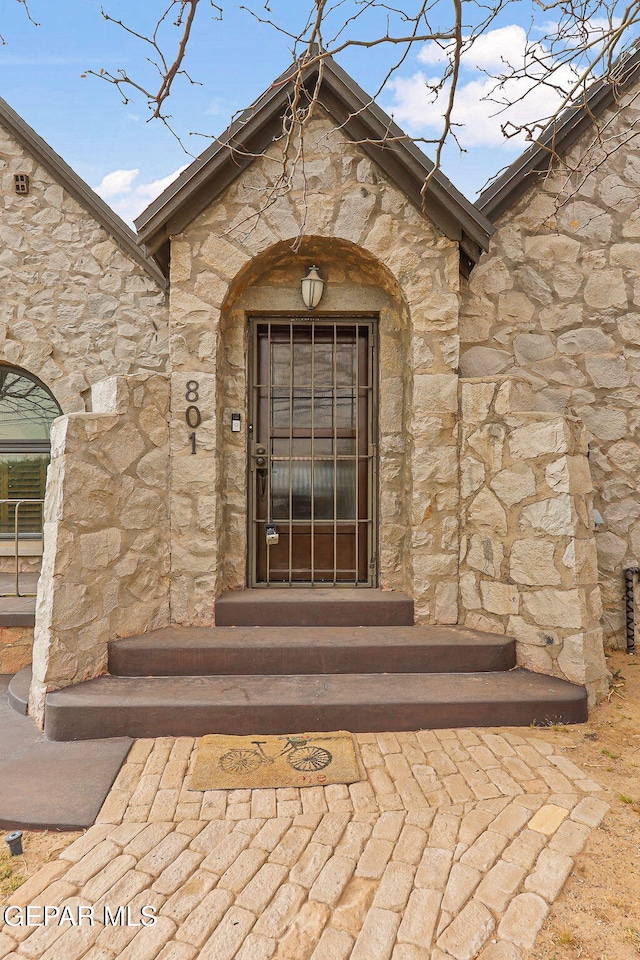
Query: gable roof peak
[362,121]
[81,192]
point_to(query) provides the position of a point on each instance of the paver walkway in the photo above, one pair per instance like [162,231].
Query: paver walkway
[454,846]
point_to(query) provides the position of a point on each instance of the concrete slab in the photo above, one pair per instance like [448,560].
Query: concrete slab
[58,786]
[313,607]
[209,651]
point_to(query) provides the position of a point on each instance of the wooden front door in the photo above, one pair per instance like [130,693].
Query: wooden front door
[312,456]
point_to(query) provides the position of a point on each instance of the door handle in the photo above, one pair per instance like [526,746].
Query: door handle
[262,483]
[262,471]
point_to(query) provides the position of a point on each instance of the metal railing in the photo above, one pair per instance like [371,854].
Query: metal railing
[16,542]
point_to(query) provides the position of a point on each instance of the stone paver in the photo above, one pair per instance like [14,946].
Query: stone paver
[454,847]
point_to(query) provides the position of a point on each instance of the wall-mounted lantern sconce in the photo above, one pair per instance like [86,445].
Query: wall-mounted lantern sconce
[312,288]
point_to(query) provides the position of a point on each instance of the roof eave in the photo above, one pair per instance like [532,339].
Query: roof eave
[441,194]
[557,137]
[220,150]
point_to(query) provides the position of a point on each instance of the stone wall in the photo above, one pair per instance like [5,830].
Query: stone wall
[527,554]
[106,540]
[557,299]
[370,242]
[15,648]
[74,307]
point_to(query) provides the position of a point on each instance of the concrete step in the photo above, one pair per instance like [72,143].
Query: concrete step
[208,651]
[18,690]
[194,706]
[17,611]
[311,607]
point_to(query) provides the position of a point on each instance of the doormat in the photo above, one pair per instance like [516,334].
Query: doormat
[295,760]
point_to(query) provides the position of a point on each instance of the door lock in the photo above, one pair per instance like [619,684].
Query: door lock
[271,533]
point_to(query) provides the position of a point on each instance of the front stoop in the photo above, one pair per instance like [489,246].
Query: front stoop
[333,660]
[361,703]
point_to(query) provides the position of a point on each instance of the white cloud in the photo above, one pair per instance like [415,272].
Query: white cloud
[480,107]
[127,196]
[490,51]
[116,183]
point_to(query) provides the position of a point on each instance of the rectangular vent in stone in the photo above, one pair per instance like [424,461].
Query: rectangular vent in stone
[21,182]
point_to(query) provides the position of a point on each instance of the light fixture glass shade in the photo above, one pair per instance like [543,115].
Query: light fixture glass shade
[312,288]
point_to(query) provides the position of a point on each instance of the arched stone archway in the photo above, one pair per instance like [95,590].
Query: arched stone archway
[254,240]
[355,285]
[415,420]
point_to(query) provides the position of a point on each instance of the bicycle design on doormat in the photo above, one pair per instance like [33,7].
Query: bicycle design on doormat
[300,754]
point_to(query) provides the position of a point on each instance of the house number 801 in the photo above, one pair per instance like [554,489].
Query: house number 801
[192,414]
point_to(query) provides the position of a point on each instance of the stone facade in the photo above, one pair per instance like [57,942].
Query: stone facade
[378,253]
[484,490]
[74,308]
[528,556]
[557,300]
[16,647]
[106,534]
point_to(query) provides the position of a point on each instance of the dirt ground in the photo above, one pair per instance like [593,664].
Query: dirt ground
[597,916]
[38,848]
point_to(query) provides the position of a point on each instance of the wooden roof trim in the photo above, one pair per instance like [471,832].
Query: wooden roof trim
[362,120]
[556,138]
[79,190]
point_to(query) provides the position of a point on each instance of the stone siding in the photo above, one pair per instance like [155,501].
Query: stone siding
[15,648]
[140,533]
[74,307]
[106,541]
[528,556]
[376,252]
[557,299]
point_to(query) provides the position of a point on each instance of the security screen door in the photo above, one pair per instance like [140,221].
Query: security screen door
[312,456]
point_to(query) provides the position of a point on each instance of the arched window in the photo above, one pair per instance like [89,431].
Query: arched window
[27,409]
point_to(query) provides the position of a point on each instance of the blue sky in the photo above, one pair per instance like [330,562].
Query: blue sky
[115,149]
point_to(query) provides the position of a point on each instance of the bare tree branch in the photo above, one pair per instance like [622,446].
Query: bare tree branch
[578,42]
[25,6]
[168,67]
